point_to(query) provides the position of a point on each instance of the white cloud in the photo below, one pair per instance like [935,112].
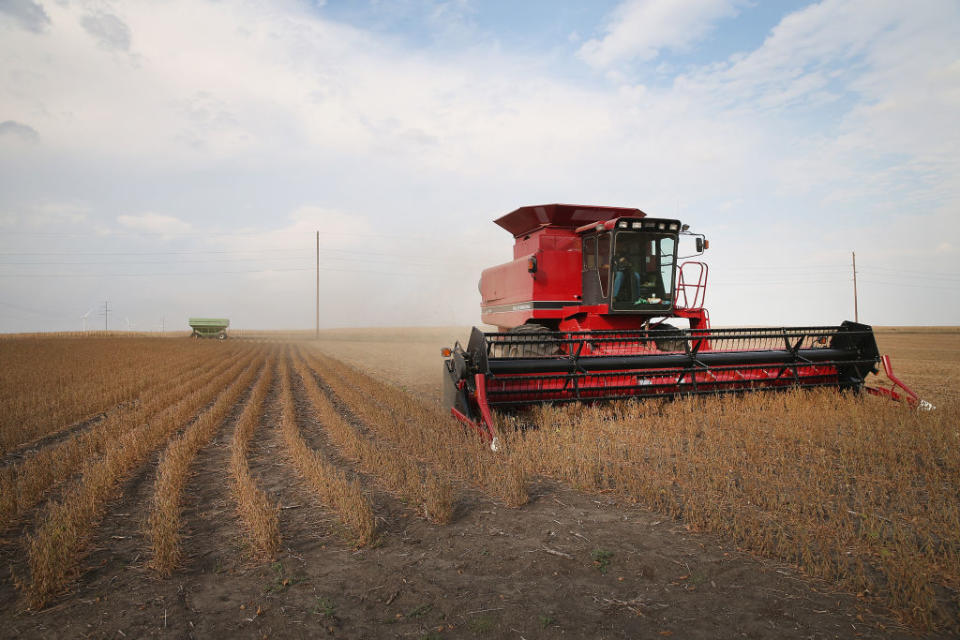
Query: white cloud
[25,13]
[18,131]
[641,29]
[47,215]
[110,31]
[154,223]
[251,83]
[272,121]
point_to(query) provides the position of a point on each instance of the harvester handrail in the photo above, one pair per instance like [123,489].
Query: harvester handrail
[699,288]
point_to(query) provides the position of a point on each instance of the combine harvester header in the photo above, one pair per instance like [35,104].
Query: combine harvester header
[582,310]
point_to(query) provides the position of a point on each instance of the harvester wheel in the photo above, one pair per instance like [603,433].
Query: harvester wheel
[545,345]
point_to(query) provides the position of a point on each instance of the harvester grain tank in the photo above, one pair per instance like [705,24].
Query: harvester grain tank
[582,314]
[209,327]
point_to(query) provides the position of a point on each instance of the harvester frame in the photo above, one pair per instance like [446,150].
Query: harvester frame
[581,314]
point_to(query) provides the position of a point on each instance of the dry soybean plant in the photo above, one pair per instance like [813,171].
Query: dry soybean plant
[258,515]
[393,468]
[164,522]
[858,491]
[46,384]
[24,484]
[425,432]
[330,483]
[58,544]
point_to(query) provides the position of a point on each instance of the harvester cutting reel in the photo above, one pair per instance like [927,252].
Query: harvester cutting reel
[516,370]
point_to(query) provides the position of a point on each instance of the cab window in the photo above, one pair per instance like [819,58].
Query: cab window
[643,266]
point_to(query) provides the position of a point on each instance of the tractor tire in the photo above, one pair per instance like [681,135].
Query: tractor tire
[668,338]
[546,346]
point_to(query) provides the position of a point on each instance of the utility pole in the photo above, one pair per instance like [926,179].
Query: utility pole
[317,334]
[856,315]
[106,315]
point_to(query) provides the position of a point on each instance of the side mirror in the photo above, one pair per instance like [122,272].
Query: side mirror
[700,246]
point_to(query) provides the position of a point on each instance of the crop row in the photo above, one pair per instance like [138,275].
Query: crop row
[57,546]
[396,470]
[424,432]
[258,515]
[24,484]
[164,523]
[860,492]
[46,384]
[335,489]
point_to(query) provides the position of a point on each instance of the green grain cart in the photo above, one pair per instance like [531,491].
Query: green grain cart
[209,328]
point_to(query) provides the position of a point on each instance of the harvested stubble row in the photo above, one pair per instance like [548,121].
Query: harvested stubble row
[24,484]
[60,414]
[860,492]
[395,470]
[164,522]
[330,483]
[55,549]
[47,384]
[258,515]
[424,432]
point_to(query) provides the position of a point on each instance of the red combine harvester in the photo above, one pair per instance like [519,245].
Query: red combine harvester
[582,309]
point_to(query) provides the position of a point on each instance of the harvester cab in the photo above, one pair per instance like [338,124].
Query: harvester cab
[582,315]
[581,268]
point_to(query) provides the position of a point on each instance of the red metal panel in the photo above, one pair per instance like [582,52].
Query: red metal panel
[506,283]
[556,280]
[547,238]
[527,219]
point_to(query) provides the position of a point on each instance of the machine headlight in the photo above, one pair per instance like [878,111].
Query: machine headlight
[636,225]
[622,224]
[662,226]
[674,226]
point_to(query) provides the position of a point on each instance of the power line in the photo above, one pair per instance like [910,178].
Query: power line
[139,253]
[911,285]
[765,267]
[85,262]
[39,312]
[358,258]
[366,256]
[749,283]
[911,274]
[205,234]
[894,269]
[208,273]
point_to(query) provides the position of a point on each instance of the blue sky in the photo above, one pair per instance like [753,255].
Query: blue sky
[176,158]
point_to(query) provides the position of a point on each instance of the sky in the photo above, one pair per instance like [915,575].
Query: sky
[177,158]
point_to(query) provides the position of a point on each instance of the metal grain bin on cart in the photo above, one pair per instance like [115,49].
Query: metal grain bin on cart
[209,327]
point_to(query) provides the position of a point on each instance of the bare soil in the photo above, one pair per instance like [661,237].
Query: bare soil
[567,564]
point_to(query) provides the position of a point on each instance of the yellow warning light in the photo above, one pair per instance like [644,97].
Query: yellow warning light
[446,352]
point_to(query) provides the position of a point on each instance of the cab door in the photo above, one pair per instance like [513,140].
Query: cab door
[595,249]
